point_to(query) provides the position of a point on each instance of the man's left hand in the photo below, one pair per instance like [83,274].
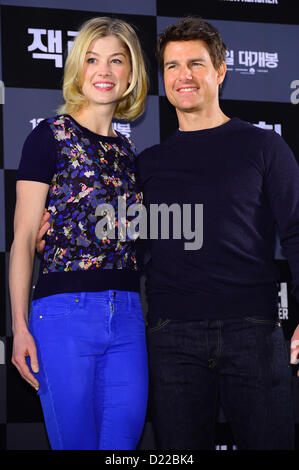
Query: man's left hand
[295,348]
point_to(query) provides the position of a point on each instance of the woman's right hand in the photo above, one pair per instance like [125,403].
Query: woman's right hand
[23,346]
[43,227]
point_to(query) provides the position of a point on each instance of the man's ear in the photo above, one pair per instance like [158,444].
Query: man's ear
[221,72]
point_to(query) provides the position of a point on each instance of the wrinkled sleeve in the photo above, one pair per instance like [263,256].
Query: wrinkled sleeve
[282,186]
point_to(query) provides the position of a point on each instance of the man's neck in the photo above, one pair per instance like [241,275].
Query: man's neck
[200,120]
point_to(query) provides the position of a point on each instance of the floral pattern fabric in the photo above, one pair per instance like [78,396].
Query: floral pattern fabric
[90,171]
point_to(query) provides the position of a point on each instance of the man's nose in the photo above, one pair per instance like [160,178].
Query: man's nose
[185,73]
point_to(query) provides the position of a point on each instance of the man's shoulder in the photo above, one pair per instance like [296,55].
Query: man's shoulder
[157,148]
[251,128]
[253,133]
[149,158]
[148,151]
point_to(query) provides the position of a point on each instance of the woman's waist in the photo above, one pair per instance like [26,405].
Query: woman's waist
[97,280]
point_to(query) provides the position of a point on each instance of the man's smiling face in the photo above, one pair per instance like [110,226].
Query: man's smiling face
[190,78]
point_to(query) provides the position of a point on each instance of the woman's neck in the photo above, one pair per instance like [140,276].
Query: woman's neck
[96,120]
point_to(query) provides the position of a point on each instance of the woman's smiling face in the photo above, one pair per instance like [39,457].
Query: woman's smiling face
[106,72]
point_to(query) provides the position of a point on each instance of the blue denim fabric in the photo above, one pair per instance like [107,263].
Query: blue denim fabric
[93,368]
[242,364]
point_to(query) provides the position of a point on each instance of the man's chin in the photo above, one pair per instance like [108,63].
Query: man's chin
[188,109]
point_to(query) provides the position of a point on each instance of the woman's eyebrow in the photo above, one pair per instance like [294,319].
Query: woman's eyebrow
[115,53]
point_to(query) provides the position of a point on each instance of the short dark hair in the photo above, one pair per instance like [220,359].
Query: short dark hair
[191,28]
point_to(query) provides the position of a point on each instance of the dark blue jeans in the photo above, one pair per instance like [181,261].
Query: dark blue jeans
[242,364]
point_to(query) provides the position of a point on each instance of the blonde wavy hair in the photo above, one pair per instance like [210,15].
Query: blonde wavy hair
[131,104]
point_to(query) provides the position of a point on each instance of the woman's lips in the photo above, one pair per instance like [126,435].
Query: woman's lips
[104,86]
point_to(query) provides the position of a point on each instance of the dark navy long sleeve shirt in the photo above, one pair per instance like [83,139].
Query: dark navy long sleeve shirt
[247,180]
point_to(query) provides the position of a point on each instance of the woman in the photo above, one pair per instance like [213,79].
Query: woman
[84,347]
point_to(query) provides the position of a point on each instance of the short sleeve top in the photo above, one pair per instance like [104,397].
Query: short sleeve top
[85,172]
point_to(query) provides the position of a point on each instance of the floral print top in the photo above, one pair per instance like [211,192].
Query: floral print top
[84,171]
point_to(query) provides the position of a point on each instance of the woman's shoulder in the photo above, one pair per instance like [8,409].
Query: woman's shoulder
[127,142]
[45,126]
[41,133]
[38,155]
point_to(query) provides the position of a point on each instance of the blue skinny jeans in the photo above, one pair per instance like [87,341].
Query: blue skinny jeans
[93,370]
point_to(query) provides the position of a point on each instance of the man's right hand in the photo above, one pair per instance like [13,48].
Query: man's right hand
[44,225]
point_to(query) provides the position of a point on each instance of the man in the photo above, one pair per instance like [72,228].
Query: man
[213,334]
